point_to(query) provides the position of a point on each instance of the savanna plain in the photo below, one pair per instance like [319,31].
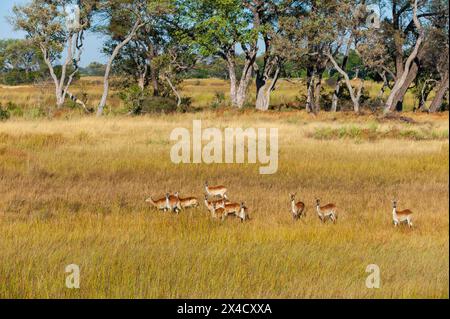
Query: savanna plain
[73,190]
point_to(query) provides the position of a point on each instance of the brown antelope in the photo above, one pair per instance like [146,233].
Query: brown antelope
[328,212]
[231,208]
[160,204]
[189,202]
[216,191]
[209,204]
[401,217]
[236,210]
[297,209]
[173,202]
[218,212]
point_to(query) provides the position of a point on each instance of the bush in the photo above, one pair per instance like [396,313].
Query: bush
[153,104]
[14,109]
[18,77]
[4,113]
[186,105]
[219,100]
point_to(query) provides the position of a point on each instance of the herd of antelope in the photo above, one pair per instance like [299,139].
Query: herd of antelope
[220,207]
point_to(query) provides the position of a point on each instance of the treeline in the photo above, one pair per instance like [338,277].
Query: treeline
[155,44]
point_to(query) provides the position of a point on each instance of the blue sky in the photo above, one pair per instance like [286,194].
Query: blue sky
[93,42]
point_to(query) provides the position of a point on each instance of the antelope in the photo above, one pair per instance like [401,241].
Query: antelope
[173,202]
[243,213]
[230,208]
[218,212]
[297,209]
[189,202]
[209,204]
[216,191]
[160,204]
[327,212]
[401,217]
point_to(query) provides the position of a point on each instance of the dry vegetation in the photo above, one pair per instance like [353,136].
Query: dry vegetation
[73,192]
[202,92]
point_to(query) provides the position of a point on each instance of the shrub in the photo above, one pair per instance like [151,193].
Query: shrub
[141,102]
[14,109]
[219,100]
[154,104]
[4,113]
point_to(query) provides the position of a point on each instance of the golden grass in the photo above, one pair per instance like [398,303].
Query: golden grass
[202,92]
[73,192]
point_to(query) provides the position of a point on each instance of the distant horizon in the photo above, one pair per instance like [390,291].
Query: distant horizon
[93,47]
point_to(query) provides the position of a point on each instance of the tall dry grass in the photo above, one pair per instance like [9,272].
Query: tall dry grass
[72,191]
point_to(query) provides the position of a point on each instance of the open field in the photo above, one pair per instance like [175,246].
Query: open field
[73,191]
[202,92]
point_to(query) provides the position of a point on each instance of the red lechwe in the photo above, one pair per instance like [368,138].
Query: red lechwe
[401,217]
[327,212]
[216,191]
[297,209]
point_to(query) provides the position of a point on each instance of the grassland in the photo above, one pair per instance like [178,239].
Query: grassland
[38,100]
[73,191]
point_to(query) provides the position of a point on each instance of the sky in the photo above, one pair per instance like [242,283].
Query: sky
[93,42]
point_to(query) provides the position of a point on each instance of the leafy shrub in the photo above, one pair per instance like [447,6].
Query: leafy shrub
[4,113]
[186,105]
[219,100]
[153,104]
[133,98]
[14,109]
[141,102]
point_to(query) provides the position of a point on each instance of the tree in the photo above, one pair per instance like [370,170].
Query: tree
[172,64]
[133,13]
[135,58]
[20,62]
[47,27]
[93,69]
[404,34]
[265,15]
[404,70]
[438,48]
[218,28]
[351,24]
[309,31]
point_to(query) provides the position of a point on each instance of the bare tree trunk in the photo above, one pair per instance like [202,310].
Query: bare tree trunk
[310,91]
[264,90]
[175,91]
[245,82]
[141,82]
[116,51]
[395,97]
[239,88]
[155,83]
[61,85]
[233,81]
[384,86]
[354,96]
[425,93]
[436,105]
[399,97]
[317,92]
[335,100]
